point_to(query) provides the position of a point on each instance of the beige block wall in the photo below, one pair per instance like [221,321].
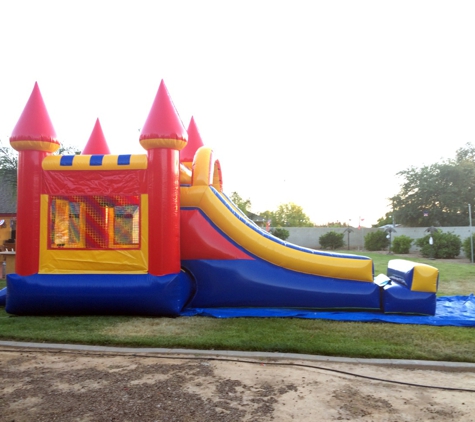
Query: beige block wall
[309,236]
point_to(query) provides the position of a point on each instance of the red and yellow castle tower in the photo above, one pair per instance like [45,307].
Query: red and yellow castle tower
[34,138]
[163,136]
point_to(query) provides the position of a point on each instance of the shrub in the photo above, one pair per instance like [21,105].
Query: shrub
[401,244]
[467,247]
[445,245]
[376,241]
[281,233]
[331,240]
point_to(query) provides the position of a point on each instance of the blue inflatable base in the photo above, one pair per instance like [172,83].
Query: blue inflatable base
[398,299]
[98,294]
[458,311]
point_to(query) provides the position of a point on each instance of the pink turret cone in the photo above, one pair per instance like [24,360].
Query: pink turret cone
[163,127]
[97,143]
[34,130]
[194,142]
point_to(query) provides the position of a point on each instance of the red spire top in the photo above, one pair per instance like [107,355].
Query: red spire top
[163,128]
[97,143]
[194,142]
[34,130]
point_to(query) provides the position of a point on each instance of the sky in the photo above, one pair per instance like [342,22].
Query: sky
[319,103]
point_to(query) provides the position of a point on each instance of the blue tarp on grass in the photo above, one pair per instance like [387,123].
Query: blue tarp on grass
[458,311]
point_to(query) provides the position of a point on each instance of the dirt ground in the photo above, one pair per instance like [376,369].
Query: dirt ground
[54,385]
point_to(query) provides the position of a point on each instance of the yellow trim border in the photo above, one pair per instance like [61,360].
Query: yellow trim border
[35,145]
[170,143]
[81,162]
[111,261]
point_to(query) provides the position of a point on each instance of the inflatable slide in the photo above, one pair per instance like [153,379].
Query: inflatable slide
[154,234]
[252,267]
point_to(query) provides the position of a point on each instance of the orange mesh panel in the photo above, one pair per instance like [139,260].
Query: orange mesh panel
[94,222]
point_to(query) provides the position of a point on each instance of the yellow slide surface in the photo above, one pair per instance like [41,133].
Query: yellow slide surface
[228,219]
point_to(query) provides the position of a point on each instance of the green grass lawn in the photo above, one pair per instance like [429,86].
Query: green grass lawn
[330,338]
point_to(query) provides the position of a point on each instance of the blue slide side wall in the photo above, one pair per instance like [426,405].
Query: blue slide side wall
[398,298]
[257,283]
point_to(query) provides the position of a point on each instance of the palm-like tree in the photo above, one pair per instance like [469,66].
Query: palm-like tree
[8,165]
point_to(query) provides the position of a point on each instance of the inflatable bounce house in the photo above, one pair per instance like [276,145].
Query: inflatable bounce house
[154,234]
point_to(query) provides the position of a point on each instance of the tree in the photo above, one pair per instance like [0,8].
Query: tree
[280,232]
[467,245]
[243,205]
[334,224]
[286,215]
[387,219]
[331,240]
[402,244]
[436,195]
[290,215]
[376,241]
[8,165]
[268,215]
[466,153]
[443,246]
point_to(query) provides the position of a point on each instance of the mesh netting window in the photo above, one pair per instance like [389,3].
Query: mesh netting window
[94,222]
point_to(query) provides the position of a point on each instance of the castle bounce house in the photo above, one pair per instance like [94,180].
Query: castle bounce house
[154,234]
